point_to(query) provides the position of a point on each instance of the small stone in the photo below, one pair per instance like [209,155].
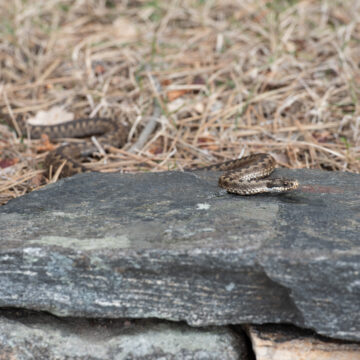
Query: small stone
[280,342]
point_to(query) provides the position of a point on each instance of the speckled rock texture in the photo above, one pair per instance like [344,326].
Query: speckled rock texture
[174,246]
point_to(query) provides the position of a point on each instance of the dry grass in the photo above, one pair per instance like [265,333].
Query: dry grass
[221,79]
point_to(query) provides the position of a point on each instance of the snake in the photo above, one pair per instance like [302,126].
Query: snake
[245,176]
[108,131]
[249,175]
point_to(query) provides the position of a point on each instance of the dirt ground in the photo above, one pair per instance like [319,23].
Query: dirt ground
[195,82]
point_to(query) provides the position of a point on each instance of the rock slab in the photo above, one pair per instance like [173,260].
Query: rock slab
[174,246]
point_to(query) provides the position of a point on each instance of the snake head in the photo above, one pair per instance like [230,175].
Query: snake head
[282,184]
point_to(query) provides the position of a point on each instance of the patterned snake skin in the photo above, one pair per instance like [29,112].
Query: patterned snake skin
[108,132]
[243,176]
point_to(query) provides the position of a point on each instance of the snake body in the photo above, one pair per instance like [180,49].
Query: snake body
[245,176]
[108,131]
[248,176]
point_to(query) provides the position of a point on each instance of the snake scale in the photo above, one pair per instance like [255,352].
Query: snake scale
[245,176]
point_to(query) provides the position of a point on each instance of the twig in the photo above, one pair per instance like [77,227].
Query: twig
[152,122]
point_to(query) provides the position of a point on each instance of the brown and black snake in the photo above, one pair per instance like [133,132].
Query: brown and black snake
[108,131]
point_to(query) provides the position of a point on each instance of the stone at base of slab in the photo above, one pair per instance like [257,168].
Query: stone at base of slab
[34,335]
[281,342]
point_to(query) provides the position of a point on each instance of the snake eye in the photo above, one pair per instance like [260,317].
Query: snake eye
[291,184]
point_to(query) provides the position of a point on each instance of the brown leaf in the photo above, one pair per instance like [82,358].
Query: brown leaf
[46,144]
[166,82]
[36,181]
[4,163]
[156,148]
[99,69]
[207,142]
[174,94]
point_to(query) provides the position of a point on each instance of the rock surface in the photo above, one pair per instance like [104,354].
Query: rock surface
[28,335]
[173,246]
[280,342]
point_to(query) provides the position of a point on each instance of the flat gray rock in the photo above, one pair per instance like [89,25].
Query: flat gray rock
[27,335]
[174,246]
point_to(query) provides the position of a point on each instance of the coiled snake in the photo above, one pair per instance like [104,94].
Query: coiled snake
[245,176]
